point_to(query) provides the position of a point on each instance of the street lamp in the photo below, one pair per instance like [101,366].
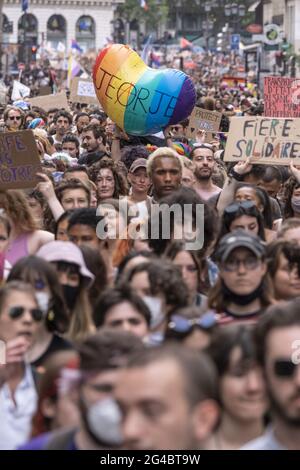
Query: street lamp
[234,12]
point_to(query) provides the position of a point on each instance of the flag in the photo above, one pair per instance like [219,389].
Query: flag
[144,5]
[155,59]
[19,91]
[146,49]
[74,70]
[25,4]
[75,45]
[184,43]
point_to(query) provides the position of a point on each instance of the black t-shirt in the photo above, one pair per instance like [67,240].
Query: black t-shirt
[57,344]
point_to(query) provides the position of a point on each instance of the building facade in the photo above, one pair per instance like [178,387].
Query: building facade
[56,22]
[285,13]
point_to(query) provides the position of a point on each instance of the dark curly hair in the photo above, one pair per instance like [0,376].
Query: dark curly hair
[132,153]
[163,277]
[121,188]
[289,188]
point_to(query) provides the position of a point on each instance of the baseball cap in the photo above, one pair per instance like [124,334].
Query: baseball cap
[239,239]
[69,253]
[138,163]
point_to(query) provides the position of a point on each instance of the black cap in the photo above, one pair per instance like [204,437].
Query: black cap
[239,239]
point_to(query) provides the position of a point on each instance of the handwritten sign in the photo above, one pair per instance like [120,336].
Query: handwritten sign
[51,101]
[83,91]
[203,119]
[282,97]
[19,160]
[265,140]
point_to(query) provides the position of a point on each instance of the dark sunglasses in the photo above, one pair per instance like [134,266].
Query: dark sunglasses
[184,325]
[284,368]
[15,118]
[236,206]
[17,312]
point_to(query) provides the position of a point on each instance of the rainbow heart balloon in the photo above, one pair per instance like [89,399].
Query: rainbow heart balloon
[139,99]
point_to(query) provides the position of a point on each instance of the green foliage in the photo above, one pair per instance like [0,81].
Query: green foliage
[157,11]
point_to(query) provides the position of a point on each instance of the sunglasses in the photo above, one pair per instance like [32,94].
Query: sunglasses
[284,368]
[236,206]
[17,312]
[14,118]
[184,325]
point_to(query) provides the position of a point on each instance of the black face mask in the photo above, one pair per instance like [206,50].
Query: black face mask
[241,299]
[70,295]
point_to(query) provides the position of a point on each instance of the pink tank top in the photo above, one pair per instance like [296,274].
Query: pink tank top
[18,249]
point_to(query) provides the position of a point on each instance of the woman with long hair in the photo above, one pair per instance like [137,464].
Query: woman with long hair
[109,180]
[25,237]
[43,279]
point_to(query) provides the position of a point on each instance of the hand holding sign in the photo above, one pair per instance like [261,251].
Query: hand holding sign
[295,172]
[46,187]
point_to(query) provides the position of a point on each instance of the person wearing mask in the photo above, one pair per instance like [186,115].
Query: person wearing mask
[277,345]
[43,278]
[243,289]
[75,279]
[102,358]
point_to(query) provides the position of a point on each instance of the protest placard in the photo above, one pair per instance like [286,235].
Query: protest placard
[19,160]
[83,91]
[265,140]
[203,119]
[51,101]
[44,90]
[282,97]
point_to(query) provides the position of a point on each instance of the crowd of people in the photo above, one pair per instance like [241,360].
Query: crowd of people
[118,336]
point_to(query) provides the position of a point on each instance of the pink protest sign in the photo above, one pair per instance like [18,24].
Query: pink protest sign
[282,97]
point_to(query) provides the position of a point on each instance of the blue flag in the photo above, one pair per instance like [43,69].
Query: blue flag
[25,5]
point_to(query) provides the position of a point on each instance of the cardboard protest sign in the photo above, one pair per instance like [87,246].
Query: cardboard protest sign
[51,101]
[282,97]
[265,140]
[203,119]
[83,91]
[44,90]
[19,160]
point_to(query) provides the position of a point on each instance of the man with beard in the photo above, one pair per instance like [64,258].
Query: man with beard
[102,358]
[93,141]
[204,162]
[278,352]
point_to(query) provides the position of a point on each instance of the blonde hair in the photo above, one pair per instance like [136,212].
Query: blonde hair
[187,163]
[162,152]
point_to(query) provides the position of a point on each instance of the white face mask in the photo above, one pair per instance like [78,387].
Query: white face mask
[43,301]
[104,420]
[155,306]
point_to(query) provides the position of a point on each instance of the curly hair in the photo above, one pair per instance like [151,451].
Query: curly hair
[165,278]
[289,188]
[17,209]
[121,188]
[132,153]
